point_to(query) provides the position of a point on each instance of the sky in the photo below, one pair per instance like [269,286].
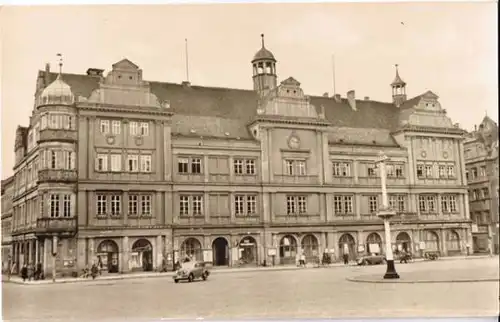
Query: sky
[449,48]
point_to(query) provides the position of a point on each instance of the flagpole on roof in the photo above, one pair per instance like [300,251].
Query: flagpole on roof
[333,74]
[187,60]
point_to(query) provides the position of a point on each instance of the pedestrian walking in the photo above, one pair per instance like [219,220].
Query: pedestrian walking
[94,271]
[346,258]
[31,271]
[24,272]
[303,259]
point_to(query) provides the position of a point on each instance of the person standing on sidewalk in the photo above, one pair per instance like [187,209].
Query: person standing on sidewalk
[346,258]
[24,272]
[94,271]
[303,259]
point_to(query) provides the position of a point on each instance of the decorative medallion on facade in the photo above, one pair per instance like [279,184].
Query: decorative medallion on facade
[294,141]
[110,139]
[423,154]
[139,140]
[445,154]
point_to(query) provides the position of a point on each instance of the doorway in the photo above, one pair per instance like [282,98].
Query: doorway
[220,250]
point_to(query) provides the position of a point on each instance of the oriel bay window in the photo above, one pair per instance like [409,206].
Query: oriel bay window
[57,159]
[296,205]
[343,204]
[60,205]
[57,121]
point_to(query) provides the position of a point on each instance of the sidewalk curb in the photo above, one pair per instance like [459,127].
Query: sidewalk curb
[362,280]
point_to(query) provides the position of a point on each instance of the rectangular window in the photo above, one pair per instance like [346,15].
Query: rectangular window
[197,205]
[467,175]
[54,206]
[450,171]
[474,173]
[239,201]
[428,171]
[482,171]
[116,162]
[343,204]
[53,159]
[373,203]
[146,205]
[102,202]
[289,167]
[420,171]
[104,126]
[183,165]
[67,206]
[486,193]
[133,163]
[444,204]
[133,201]
[341,169]
[116,127]
[401,206]
[102,162]
[422,205]
[290,205]
[251,204]
[195,165]
[238,166]
[431,203]
[145,163]
[442,171]
[453,204]
[116,202]
[302,204]
[390,171]
[372,171]
[144,129]
[184,205]
[69,160]
[133,128]
[301,168]
[250,166]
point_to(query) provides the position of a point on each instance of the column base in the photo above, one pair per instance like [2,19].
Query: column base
[391,271]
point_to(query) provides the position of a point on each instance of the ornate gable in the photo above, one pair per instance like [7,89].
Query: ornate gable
[287,100]
[429,101]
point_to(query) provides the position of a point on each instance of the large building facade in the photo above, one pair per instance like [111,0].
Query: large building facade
[7,195]
[481,159]
[132,174]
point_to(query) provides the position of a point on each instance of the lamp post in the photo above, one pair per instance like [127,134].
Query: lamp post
[386,213]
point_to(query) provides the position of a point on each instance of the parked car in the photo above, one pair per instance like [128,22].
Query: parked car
[190,271]
[405,258]
[371,260]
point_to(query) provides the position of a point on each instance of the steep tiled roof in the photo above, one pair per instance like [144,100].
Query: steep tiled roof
[367,136]
[212,111]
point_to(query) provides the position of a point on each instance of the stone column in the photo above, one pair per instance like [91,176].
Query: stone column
[444,248]
[125,208]
[206,206]
[81,258]
[124,255]
[159,252]
[355,165]
[330,211]
[357,205]
[30,252]
[37,251]
[322,244]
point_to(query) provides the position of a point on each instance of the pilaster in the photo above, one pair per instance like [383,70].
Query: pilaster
[124,266]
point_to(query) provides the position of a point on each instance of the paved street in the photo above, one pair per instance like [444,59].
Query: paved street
[299,293]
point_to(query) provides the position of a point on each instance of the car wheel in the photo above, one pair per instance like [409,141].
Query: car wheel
[176,281]
[364,262]
[190,278]
[204,276]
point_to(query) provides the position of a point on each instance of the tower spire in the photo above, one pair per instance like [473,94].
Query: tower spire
[262,36]
[398,88]
[60,58]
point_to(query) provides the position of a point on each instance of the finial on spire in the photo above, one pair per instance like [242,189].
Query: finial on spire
[396,67]
[262,36]
[59,55]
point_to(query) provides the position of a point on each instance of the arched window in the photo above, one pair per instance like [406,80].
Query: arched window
[374,243]
[310,246]
[347,245]
[453,243]
[431,240]
[288,249]
[191,247]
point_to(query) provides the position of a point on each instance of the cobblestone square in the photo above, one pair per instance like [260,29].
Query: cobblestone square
[306,293]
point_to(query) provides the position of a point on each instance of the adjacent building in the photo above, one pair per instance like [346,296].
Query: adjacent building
[133,174]
[7,194]
[481,158]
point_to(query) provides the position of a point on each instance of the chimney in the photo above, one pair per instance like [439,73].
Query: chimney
[475,128]
[95,72]
[338,98]
[325,94]
[351,99]
[186,84]
[47,75]
[367,98]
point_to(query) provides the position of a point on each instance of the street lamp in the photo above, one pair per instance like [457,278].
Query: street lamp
[386,213]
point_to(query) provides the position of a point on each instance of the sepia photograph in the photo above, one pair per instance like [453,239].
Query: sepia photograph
[200,160]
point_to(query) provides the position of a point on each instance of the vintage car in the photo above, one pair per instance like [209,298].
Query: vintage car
[190,271]
[371,260]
